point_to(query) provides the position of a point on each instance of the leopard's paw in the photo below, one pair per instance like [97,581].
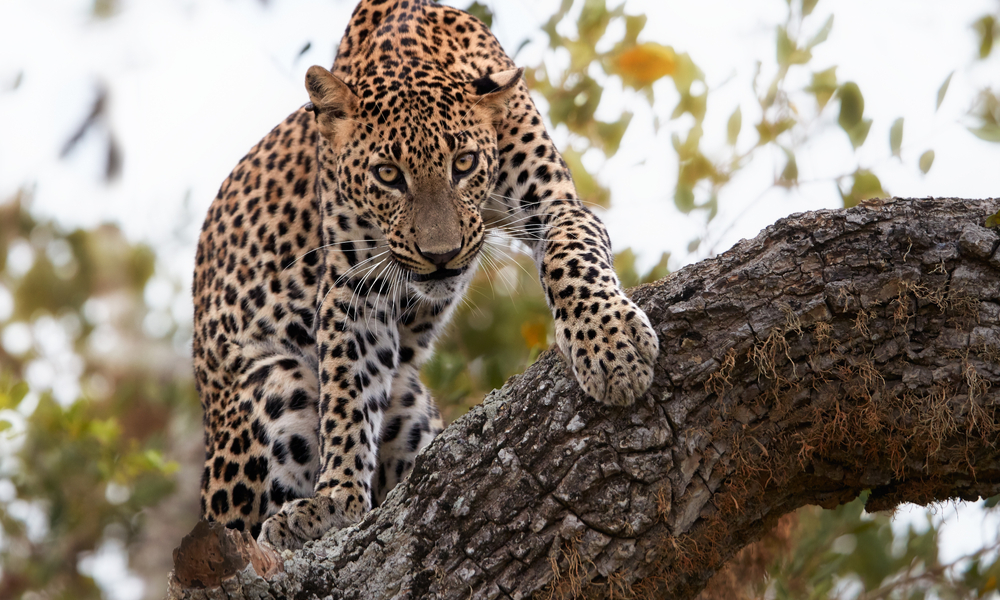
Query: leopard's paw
[612,350]
[302,520]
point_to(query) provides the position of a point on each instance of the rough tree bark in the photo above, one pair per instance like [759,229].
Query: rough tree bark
[838,351]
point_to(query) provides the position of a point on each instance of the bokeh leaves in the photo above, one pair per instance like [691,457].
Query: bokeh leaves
[849,553]
[786,122]
[79,468]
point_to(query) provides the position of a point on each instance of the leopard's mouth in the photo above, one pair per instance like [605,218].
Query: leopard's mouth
[437,275]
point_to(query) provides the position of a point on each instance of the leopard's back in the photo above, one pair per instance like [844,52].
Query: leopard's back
[255,295]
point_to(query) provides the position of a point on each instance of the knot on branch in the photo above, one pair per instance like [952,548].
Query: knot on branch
[212,554]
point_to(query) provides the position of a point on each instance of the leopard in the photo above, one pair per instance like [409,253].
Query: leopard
[338,248]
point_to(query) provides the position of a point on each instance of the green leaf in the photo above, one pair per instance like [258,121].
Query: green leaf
[852,105]
[689,103]
[734,126]
[926,160]
[688,149]
[695,169]
[625,268]
[871,559]
[987,113]
[768,131]
[630,277]
[784,45]
[987,29]
[852,109]
[686,73]
[824,84]
[989,132]
[866,185]
[859,133]
[659,270]
[12,397]
[822,34]
[943,90]
[106,431]
[896,136]
[684,198]
[556,40]
[790,174]
[587,187]
[481,12]
[106,8]
[808,6]
[593,21]
[610,134]
[633,27]
[788,52]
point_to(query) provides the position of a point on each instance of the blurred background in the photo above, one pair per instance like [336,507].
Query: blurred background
[688,125]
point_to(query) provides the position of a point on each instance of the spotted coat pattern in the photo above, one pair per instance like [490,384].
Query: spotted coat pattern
[337,249]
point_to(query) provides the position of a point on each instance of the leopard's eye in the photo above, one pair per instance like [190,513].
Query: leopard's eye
[465,163]
[388,174]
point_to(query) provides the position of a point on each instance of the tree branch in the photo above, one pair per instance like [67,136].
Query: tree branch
[838,351]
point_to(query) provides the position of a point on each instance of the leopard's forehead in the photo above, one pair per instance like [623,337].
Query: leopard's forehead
[413,91]
[419,145]
[415,113]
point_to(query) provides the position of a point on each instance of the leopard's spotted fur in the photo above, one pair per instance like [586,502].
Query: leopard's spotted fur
[320,288]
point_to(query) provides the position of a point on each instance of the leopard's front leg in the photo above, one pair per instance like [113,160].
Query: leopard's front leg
[358,356]
[606,338]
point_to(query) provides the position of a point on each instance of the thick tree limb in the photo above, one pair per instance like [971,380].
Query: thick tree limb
[838,351]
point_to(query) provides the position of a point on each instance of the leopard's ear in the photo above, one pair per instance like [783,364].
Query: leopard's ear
[331,99]
[493,91]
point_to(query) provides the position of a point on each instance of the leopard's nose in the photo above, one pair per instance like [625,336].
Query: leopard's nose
[440,259]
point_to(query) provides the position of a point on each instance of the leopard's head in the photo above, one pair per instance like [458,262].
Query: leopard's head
[415,154]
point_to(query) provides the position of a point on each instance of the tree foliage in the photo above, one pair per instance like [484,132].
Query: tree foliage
[82,454]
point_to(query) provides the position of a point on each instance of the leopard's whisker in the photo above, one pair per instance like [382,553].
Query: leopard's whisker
[541,201]
[490,264]
[395,288]
[499,272]
[503,250]
[502,274]
[330,245]
[357,290]
[520,236]
[404,289]
[336,284]
[392,277]
[411,301]
[513,219]
[359,266]
[509,244]
[383,277]
[401,305]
